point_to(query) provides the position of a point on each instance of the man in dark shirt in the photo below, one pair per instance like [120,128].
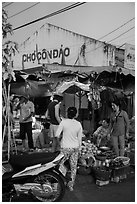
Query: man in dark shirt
[53,115]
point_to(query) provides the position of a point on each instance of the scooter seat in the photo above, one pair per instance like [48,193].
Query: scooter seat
[23,160]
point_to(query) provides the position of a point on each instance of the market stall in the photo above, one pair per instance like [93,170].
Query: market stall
[102,164]
[91,96]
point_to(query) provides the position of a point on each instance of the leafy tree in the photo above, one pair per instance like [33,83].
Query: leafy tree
[8,50]
[6,27]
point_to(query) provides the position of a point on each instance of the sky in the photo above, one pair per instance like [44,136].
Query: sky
[92,19]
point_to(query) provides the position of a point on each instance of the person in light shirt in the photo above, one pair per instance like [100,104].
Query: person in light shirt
[71,132]
[25,119]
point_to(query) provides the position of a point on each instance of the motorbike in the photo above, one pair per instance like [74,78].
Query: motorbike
[38,174]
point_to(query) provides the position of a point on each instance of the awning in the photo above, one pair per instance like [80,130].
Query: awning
[56,68]
[72,87]
[89,69]
[31,88]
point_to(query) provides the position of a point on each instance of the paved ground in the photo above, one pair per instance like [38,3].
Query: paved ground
[87,191]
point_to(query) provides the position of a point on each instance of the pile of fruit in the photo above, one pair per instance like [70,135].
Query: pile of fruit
[88,148]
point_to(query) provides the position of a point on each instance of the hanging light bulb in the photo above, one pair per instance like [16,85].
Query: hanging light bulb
[27,86]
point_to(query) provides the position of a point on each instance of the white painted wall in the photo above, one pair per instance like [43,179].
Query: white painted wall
[51,38]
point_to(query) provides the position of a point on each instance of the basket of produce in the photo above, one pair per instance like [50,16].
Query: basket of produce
[123,160]
[102,173]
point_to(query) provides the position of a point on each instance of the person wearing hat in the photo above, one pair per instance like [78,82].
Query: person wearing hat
[53,116]
[25,119]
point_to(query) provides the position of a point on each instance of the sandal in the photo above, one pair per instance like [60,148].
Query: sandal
[70,185]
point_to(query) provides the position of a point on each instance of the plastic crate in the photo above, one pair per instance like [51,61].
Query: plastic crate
[102,173]
[118,171]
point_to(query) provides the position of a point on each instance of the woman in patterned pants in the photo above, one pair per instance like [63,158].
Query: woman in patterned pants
[71,131]
[72,156]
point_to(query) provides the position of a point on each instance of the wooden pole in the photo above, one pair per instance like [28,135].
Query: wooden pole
[79,99]
[4,94]
[4,132]
[9,128]
[92,121]
[13,138]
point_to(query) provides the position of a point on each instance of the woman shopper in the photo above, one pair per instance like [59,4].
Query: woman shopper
[120,128]
[71,131]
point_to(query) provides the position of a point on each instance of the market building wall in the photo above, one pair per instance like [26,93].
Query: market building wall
[52,44]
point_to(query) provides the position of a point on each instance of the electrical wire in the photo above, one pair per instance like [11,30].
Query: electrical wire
[111,40]
[126,42]
[116,29]
[52,14]
[102,45]
[122,45]
[64,9]
[128,37]
[8,4]
[110,33]
[23,10]
[122,34]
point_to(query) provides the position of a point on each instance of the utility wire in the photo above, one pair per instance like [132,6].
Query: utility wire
[113,31]
[122,34]
[8,4]
[128,37]
[125,42]
[23,10]
[121,45]
[110,40]
[52,14]
[117,28]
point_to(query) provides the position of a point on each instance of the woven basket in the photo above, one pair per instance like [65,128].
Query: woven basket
[125,160]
